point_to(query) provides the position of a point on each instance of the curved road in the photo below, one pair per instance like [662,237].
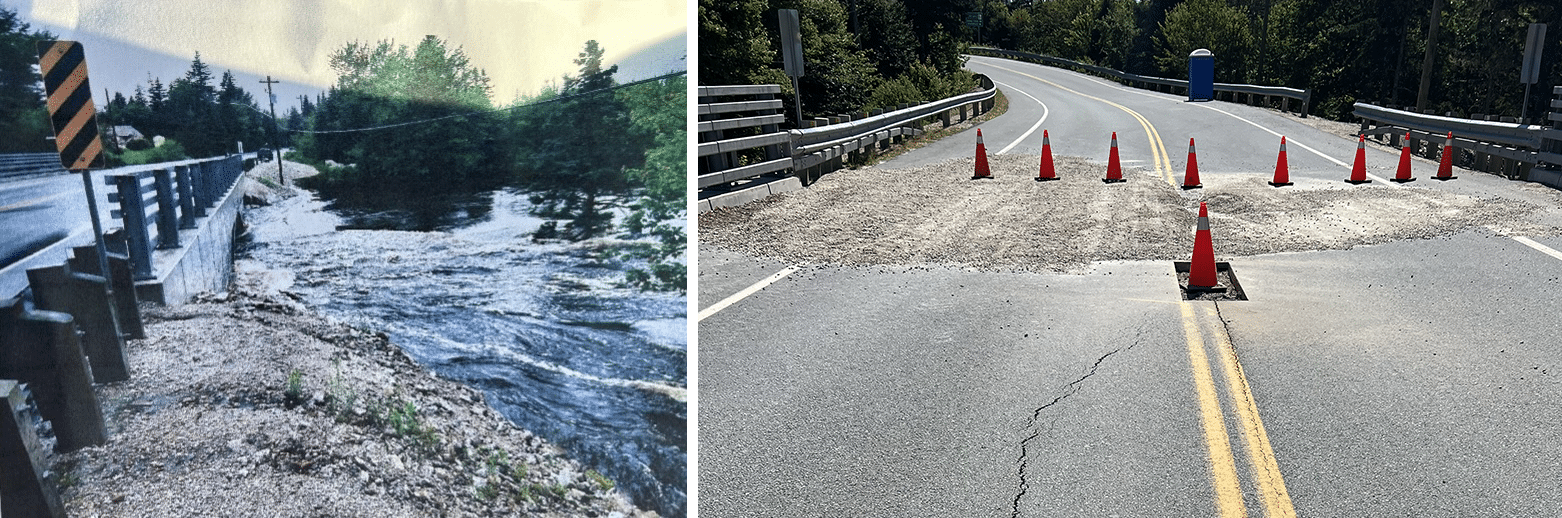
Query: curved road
[1412,378]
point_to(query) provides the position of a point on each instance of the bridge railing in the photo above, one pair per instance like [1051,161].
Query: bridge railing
[16,166]
[741,138]
[753,112]
[1505,147]
[175,192]
[1252,94]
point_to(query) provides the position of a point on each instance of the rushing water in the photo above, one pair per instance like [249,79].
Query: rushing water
[542,328]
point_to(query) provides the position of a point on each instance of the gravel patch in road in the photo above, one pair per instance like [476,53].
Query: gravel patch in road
[938,215]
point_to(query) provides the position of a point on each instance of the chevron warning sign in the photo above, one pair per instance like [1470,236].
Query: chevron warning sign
[64,69]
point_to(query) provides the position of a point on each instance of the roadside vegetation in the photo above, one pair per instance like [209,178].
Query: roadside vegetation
[868,53]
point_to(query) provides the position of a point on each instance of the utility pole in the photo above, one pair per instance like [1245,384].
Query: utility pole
[1431,54]
[276,146]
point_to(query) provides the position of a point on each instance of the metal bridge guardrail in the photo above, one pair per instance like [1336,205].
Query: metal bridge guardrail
[754,113]
[1509,148]
[181,192]
[1231,89]
[809,145]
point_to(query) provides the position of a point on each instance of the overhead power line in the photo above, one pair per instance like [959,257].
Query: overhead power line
[536,103]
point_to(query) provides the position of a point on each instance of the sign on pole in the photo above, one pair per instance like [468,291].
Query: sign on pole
[64,69]
[791,43]
[973,19]
[792,55]
[1530,73]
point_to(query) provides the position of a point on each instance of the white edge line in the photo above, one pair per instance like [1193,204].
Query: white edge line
[745,293]
[1044,113]
[1293,141]
[1229,114]
[1537,246]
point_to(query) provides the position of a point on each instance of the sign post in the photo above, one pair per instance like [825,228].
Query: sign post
[1530,73]
[792,55]
[63,65]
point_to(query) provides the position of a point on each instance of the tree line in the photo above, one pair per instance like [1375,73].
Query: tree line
[202,119]
[1343,50]
[419,121]
[858,54]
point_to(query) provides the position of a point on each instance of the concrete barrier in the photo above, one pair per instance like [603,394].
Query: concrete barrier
[204,262]
[25,491]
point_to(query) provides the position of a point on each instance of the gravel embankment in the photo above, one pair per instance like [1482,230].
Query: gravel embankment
[937,215]
[248,404]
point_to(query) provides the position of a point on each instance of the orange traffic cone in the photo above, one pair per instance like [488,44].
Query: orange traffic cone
[1114,166]
[1201,271]
[1358,171]
[1191,179]
[981,158]
[1047,171]
[1282,169]
[1403,175]
[1445,167]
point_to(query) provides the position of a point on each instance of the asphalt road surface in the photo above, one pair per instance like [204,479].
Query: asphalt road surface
[1412,378]
[38,215]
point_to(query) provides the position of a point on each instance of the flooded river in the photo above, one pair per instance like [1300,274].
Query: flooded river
[542,328]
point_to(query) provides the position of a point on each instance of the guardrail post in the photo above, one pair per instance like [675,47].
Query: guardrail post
[86,298]
[167,209]
[186,197]
[200,187]
[25,491]
[41,349]
[84,259]
[133,213]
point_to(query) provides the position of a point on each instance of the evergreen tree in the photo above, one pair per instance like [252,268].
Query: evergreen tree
[581,150]
[24,121]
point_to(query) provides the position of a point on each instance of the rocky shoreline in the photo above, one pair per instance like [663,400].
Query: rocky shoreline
[246,403]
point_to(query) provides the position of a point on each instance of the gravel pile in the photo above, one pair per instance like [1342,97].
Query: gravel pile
[246,404]
[939,215]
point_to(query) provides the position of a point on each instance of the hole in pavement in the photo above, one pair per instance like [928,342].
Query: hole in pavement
[1224,276]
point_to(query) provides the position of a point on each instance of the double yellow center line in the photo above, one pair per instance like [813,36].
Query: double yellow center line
[1265,470]
[1158,157]
[1261,458]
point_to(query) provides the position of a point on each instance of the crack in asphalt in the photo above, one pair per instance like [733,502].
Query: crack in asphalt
[1068,390]
[1246,388]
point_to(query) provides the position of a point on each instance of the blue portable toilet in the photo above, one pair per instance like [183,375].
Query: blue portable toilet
[1201,75]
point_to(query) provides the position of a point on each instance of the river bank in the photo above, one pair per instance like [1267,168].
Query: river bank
[251,403]
[248,404]
[547,330]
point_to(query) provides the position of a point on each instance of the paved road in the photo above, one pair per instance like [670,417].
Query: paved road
[1414,378]
[37,214]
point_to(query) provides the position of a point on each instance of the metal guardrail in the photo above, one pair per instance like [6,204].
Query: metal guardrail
[16,166]
[181,191]
[1508,148]
[760,147]
[812,146]
[1232,90]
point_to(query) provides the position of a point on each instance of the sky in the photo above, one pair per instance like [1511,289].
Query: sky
[521,44]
